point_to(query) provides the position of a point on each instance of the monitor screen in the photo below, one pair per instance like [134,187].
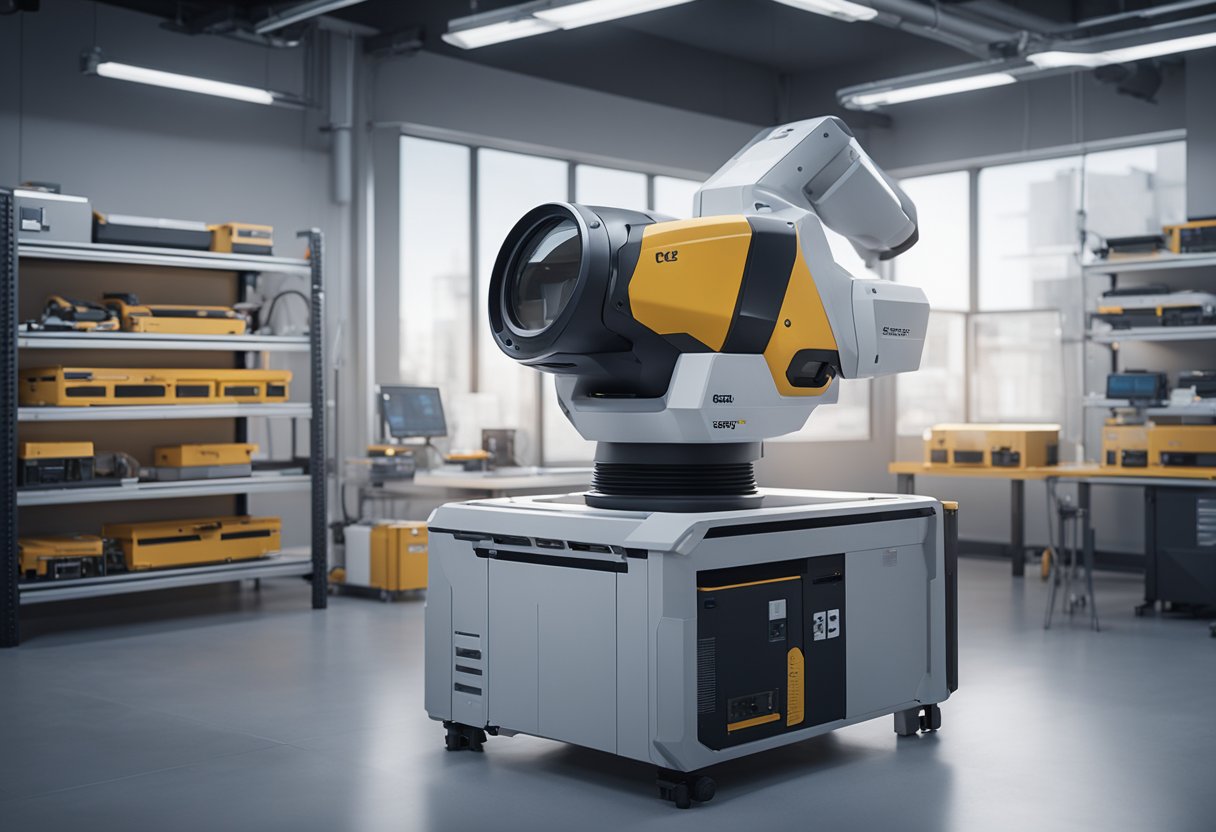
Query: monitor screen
[412,412]
[1136,386]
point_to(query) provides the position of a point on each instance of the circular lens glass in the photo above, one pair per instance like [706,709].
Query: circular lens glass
[545,275]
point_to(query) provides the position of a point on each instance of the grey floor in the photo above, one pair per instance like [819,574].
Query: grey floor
[235,710]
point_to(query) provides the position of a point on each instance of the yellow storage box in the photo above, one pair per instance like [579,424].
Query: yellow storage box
[399,556]
[993,445]
[214,453]
[84,386]
[162,543]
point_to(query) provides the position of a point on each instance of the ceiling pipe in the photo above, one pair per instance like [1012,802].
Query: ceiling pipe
[997,11]
[932,21]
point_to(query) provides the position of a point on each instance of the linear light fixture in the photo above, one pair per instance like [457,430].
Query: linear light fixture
[92,63]
[541,16]
[586,12]
[839,9]
[932,89]
[501,31]
[1123,55]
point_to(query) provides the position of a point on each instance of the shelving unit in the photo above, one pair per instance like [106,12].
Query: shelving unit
[1199,270]
[244,269]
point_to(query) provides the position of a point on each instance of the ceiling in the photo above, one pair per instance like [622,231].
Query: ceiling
[734,58]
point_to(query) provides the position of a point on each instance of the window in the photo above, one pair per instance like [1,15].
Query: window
[1135,190]
[1019,371]
[673,196]
[609,187]
[940,263]
[435,280]
[1028,235]
[508,186]
[935,392]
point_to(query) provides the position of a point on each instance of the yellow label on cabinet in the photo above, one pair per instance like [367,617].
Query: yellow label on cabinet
[794,686]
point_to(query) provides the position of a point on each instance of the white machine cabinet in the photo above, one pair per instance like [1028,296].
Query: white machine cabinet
[686,639]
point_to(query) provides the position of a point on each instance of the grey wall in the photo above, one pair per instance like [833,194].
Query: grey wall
[147,151]
[1201,135]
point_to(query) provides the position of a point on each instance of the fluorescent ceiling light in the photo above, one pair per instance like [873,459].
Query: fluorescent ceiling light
[933,89]
[189,83]
[1161,47]
[500,32]
[1054,59]
[586,12]
[839,9]
[1123,55]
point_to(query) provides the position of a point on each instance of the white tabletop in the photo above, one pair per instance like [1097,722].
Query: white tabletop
[499,481]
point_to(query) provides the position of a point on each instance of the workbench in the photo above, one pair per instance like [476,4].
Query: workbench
[1085,475]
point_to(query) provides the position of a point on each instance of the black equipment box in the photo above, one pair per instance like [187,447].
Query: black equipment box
[770,649]
[1181,566]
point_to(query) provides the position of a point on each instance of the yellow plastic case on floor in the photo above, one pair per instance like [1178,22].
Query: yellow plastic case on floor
[84,386]
[993,445]
[162,543]
[39,555]
[174,319]
[213,453]
[399,556]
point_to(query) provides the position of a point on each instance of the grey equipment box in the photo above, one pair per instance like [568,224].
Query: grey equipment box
[49,217]
[686,639]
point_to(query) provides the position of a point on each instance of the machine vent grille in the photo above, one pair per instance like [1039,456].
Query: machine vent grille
[633,480]
[707,675]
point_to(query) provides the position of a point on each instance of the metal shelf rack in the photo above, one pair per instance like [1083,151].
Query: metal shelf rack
[287,563]
[150,412]
[140,341]
[278,484]
[313,561]
[1201,267]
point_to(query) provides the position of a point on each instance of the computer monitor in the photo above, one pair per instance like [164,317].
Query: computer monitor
[1137,386]
[410,412]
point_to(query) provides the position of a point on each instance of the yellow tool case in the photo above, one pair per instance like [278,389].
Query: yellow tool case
[242,238]
[1125,445]
[82,386]
[1191,237]
[1182,446]
[399,556]
[62,557]
[212,453]
[993,445]
[54,464]
[173,319]
[163,543]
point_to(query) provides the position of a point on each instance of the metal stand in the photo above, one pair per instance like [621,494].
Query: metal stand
[1072,553]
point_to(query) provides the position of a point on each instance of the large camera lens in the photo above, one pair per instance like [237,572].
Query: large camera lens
[545,275]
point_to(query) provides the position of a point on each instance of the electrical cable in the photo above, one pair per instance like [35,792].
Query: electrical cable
[269,316]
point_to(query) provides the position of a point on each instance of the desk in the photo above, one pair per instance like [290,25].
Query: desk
[906,472]
[1084,474]
[499,483]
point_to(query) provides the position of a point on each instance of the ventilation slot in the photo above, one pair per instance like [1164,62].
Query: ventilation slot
[707,675]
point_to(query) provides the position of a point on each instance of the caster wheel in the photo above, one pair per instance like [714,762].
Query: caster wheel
[463,737]
[704,789]
[385,596]
[931,718]
[681,797]
[1045,564]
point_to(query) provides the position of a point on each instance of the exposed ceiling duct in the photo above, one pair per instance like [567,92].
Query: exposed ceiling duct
[1038,56]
